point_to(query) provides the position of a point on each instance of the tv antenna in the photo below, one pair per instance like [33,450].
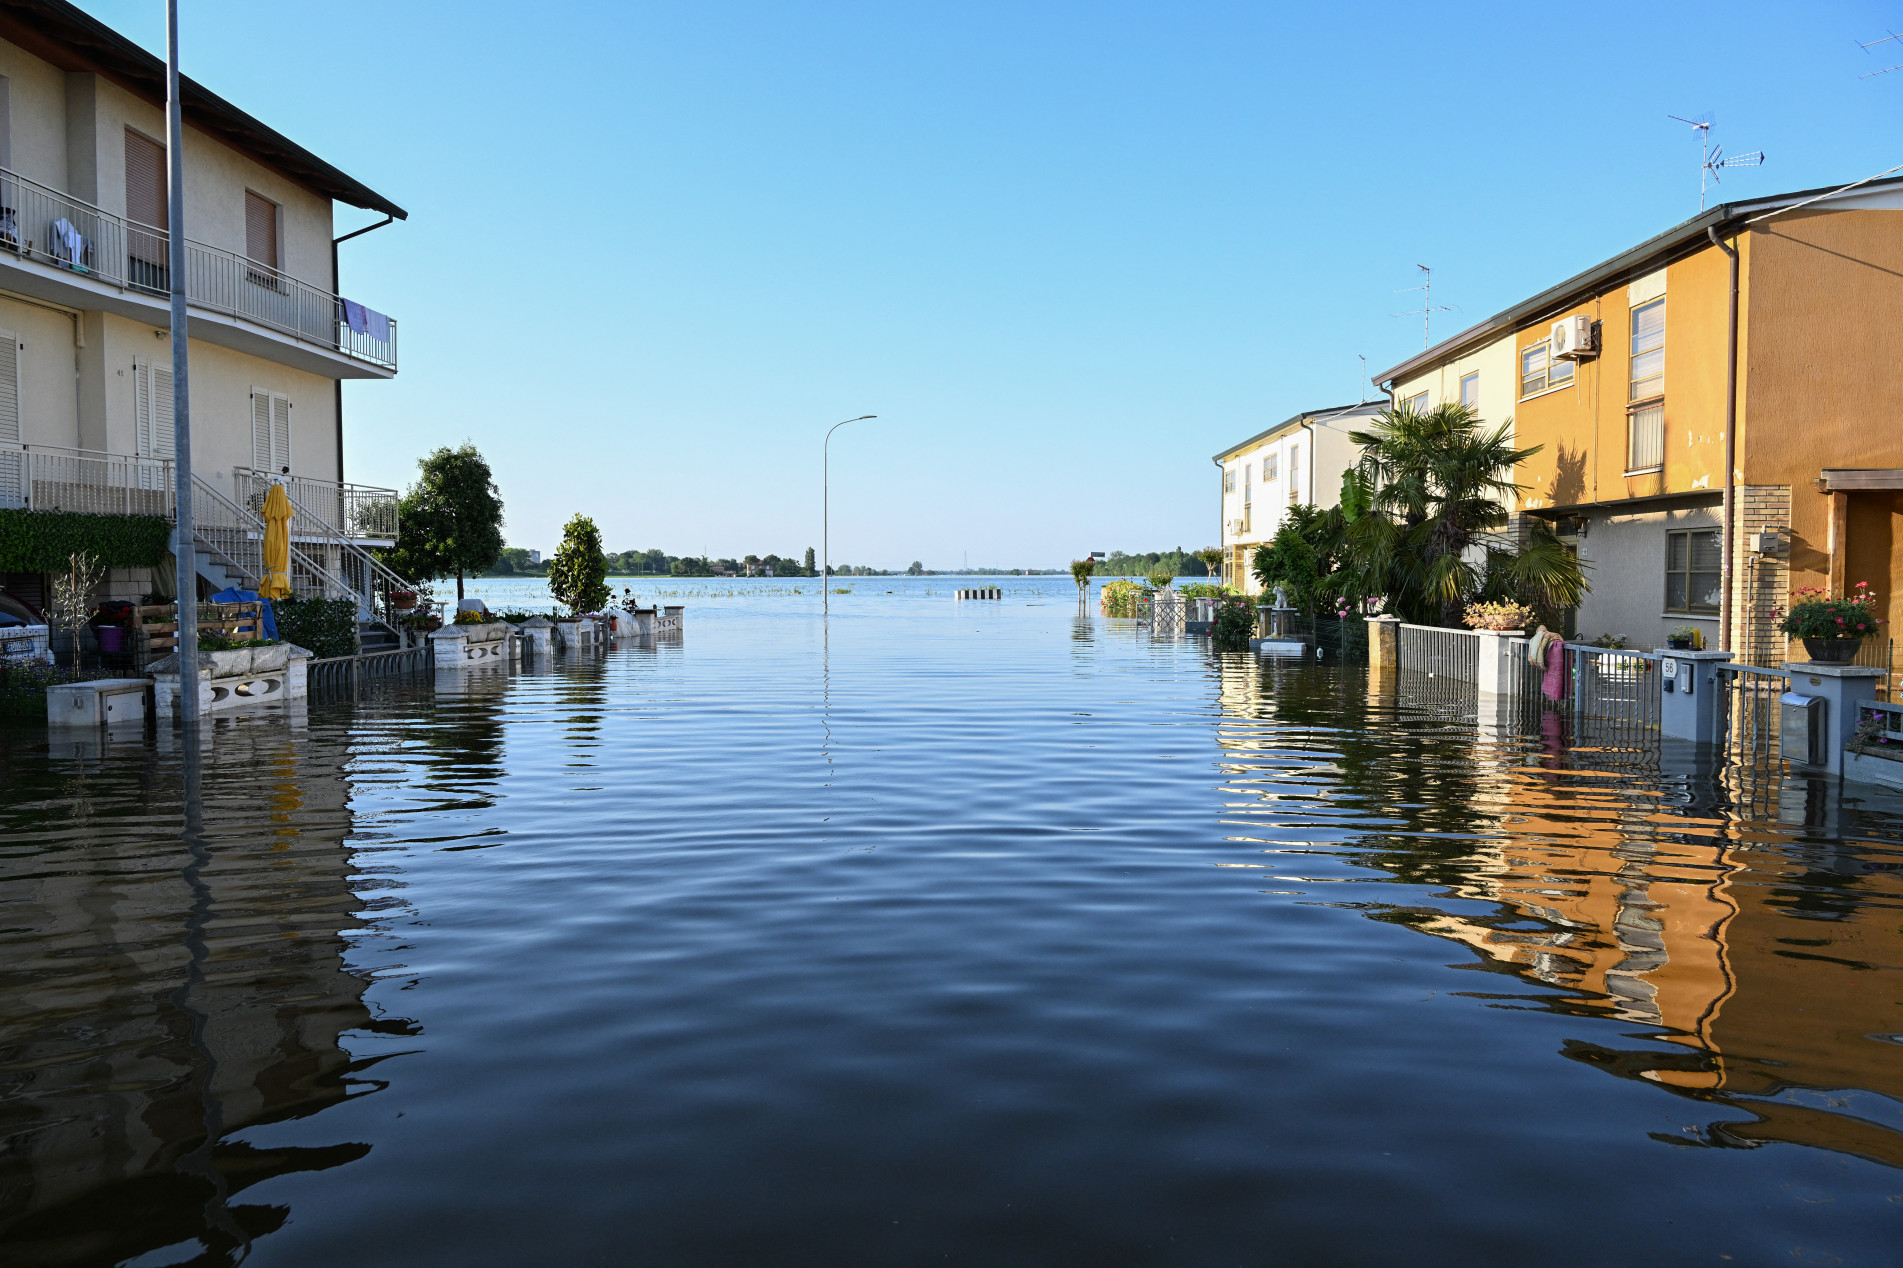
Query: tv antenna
[1888,36]
[1425,312]
[1711,158]
[1364,378]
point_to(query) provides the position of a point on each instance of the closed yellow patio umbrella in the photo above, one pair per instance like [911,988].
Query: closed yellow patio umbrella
[277,545]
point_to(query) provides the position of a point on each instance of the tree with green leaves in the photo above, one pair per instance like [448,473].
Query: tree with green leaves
[810,564]
[1080,572]
[1427,542]
[578,575]
[1212,559]
[450,521]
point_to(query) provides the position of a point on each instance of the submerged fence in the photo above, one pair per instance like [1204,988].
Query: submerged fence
[337,675]
[1438,652]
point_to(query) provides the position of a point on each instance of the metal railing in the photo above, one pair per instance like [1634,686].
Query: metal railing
[340,674]
[51,478]
[347,510]
[370,582]
[1749,717]
[40,223]
[1439,652]
[236,537]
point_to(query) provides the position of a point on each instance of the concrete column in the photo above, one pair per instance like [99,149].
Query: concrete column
[1492,674]
[1384,642]
[1690,702]
[1844,688]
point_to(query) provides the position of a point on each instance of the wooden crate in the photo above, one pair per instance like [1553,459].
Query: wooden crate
[240,622]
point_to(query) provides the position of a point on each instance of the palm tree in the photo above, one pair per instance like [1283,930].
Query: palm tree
[1429,543]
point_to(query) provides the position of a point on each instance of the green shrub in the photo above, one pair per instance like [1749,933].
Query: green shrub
[1122,598]
[323,627]
[1233,625]
[44,541]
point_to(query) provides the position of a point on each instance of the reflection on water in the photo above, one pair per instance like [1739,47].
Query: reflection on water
[1765,959]
[1001,934]
[160,996]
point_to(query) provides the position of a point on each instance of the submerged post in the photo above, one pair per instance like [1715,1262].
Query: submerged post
[184,552]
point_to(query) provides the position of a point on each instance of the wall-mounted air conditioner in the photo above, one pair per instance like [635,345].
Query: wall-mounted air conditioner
[1573,338]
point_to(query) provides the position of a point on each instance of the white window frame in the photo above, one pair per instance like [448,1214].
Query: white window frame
[1416,402]
[1472,377]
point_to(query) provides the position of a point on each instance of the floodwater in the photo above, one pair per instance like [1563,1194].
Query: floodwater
[968,933]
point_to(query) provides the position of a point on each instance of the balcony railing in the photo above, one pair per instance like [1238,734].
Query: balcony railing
[48,478]
[353,511]
[39,223]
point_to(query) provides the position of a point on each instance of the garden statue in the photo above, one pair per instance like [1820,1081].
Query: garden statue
[1281,598]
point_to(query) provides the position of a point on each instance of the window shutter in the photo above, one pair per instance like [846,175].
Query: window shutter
[280,432]
[261,229]
[261,431]
[10,388]
[142,405]
[164,436]
[145,180]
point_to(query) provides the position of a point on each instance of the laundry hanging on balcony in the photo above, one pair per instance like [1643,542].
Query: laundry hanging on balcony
[366,321]
[69,244]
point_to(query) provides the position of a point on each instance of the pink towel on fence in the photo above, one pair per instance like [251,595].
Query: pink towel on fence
[1552,683]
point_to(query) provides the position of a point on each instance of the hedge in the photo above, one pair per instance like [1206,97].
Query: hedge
[44,541]
[322,627]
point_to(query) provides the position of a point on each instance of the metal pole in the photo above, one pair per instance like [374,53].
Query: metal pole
[184,551]
[825,515]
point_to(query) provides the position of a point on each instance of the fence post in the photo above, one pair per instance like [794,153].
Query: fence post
[1844,689]
[1492,674]
[1691,699]
[1384,643]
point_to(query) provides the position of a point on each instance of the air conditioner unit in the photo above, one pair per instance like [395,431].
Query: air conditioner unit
[1572,338]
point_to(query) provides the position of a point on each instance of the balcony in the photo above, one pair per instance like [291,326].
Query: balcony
[47,478]
[95,248]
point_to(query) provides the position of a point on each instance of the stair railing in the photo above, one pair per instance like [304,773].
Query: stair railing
[238,535]
[379,582]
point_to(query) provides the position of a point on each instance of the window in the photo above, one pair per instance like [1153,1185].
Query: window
[261,238]
[1248,489]
[146,205]
[1294,473]
[1271,467]
[1417,403]
[1470,390]
[1540,372]
[1229,480]
[1648,351]
[270,431]
[1645,437]
[1692,558]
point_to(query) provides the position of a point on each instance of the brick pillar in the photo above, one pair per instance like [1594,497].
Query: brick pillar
[1760,583]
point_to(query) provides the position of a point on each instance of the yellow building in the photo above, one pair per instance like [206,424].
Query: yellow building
[1624,376]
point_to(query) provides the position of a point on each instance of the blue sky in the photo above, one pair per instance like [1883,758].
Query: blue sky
[1065,251]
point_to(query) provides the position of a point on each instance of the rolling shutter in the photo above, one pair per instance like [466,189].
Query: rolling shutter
[280,432]
[261,229]
[152,412]
[145,180]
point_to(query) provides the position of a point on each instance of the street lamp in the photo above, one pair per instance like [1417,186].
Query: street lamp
[825,515]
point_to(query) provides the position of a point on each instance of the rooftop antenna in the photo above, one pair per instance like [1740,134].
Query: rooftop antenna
[1427,309]
[1364,378]
[1711,158]
[1888,36]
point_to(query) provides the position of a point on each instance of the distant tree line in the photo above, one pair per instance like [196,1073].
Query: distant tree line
[1179,562]
[513,561]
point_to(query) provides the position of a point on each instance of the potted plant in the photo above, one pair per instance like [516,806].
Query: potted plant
[403,600]
[1680,639]
[1497,616]
[1832,629]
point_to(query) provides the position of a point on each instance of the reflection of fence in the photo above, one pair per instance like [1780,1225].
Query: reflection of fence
[1440,653]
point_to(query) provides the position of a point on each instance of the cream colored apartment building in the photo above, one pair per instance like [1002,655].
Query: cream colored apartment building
[85,384]
[1299,461]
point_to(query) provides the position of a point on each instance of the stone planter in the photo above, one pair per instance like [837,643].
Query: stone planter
[471,646]
[242,678]
[1833,651]
[538,637]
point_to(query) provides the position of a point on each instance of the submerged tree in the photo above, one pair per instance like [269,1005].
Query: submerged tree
[1081,571]
[450,521]
[578,575]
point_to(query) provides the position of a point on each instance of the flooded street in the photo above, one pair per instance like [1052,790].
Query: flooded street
[974,933]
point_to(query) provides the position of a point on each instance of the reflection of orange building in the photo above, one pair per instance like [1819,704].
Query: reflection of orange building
[146,1019]
[1783,989]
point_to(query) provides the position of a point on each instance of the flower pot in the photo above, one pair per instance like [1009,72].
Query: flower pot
[1679,644]
[402,600]
[111,638]
[1833,651]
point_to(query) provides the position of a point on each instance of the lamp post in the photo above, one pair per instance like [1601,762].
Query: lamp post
[825,515]
[183,553]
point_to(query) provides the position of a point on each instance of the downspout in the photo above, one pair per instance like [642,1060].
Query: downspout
[1309,427]
[336,283]
[1731,439]
[1221,506]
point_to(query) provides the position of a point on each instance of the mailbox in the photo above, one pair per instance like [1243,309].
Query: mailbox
[1801,729]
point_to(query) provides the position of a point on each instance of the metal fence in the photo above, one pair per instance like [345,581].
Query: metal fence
[1750,713]
[1438,652]
[338,675]
[347,510]
[43,224]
